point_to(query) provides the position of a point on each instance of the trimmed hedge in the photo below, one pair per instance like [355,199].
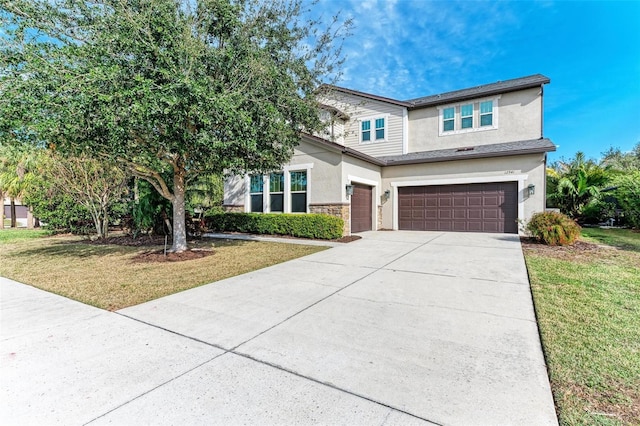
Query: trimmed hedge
[320,226]
[554,229]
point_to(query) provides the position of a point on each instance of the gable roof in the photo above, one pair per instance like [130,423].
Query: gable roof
[343,149]
[536,80]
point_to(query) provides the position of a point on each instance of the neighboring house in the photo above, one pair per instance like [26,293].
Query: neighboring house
[22,212]
[471,160]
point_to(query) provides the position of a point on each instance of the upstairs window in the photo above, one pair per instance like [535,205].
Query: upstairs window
[466,116]
[366,131]
[256,191]
[373,129]
[486,113]
[448,119]
[469,117]
[379,128]
[276,192]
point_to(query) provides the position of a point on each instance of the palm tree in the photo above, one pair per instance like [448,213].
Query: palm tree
[15,179]
[577,182]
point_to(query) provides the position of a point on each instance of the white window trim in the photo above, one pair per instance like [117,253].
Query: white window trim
[266,194]
[372,128]
[456,181]
[457,117]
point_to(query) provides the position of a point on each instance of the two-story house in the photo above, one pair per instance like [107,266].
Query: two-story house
[472,160]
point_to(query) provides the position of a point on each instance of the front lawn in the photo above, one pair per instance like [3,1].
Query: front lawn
[587,300]
[109,277]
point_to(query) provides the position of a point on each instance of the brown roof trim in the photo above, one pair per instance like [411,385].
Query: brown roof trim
[536,80]
[534,146]
[367,95]
[343,149]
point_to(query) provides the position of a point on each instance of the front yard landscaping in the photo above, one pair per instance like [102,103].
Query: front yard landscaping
[115,276]
[587,300]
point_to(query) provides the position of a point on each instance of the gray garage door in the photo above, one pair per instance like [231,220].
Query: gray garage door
[361,212]
[479,207]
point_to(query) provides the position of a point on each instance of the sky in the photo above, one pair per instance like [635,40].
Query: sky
[404,49]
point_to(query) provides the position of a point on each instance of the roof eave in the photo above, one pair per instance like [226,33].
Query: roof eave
[469,156]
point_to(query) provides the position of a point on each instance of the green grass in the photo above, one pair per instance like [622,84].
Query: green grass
[588,307]
[110,277]
[621,238]
[10,235]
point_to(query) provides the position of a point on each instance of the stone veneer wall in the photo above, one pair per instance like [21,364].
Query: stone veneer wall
[231,208]
[341,210]
[379,218]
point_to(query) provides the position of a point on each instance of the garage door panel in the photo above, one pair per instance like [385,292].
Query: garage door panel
[487,207]
[361,208]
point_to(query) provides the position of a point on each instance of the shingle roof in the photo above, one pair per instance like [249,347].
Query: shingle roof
[345,150]
[531,146]
[536,80]
[505,86]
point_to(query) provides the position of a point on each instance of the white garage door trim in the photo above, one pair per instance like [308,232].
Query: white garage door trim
[455,181]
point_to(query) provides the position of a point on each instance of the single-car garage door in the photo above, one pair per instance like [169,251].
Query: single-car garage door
[361,210]
[478,207]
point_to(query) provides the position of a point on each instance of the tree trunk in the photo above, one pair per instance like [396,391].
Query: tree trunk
[179,228]
[30,221]
[14,223]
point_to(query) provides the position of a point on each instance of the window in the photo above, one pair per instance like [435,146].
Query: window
[373,129]
[256,190]
[366,131]
[276,192]
[448,117]
[486,113]
[469,117]
[379,128]
[298,192]
[466,116]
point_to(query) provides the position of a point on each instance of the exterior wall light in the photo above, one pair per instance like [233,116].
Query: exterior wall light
[349,190]
[387,194]
[532,189]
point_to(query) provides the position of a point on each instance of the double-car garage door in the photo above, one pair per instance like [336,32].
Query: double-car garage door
[479,207]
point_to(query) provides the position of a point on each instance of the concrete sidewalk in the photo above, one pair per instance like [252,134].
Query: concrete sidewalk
[396,328]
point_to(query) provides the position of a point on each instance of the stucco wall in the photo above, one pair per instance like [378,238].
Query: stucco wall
[356,107]
[519,117]
[470,171]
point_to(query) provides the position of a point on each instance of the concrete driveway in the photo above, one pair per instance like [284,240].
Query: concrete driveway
[397,328]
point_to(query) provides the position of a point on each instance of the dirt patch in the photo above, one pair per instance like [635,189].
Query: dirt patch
[160,256]
[621,402]
[347,239]
[580,249]
[128,240]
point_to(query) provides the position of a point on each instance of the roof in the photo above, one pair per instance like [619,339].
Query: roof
[536,80]
[531,146]
[343,149]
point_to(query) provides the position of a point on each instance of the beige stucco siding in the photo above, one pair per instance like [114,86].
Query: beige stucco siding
[519,117]
[524,169]
[358,108]
[324,177]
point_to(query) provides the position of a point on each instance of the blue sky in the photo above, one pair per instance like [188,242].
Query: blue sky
[405,49]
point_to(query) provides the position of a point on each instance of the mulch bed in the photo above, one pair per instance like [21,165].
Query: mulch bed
[160,256]
[575,251]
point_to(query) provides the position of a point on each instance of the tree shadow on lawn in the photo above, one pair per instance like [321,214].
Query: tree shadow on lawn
[73,249]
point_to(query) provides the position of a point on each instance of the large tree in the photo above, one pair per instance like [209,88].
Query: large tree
[185,86]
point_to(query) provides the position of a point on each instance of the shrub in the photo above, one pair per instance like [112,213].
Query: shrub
[296,225]
[627,193]
[554,229]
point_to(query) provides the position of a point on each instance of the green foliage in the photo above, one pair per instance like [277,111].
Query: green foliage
[189,87]
[554,229]
[627,193]
[57,211]
[624,161]
[297,225]
[575,183]
[148,211]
